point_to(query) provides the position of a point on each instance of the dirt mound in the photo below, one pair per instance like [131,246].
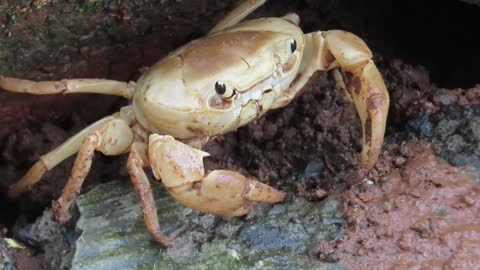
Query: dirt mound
[422,213]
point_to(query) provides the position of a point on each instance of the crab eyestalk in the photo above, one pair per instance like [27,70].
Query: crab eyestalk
[221,192]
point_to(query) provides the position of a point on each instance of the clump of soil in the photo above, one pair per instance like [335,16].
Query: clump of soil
[422,213]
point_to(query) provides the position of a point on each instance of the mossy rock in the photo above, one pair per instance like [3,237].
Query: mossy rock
[282,236]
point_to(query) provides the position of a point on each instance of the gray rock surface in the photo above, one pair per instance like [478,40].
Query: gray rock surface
[55,240]
[283,236]
[6,261]
[456,130]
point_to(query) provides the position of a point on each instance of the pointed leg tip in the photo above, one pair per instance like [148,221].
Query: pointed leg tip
[370,155]
[59,213]
[368,165]
[165,241]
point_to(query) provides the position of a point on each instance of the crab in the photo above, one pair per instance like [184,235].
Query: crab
[208,87]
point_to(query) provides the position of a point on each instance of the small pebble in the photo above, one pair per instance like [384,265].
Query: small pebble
[366,196]
[399,161]
[320,193]
[468,200]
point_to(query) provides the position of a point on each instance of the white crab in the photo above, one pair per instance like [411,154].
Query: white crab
[208,87]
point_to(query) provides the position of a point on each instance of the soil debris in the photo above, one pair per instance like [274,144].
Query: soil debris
[422,214]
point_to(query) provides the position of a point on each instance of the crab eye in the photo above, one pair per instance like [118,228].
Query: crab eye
[224,90]
[220,87]
[293,45]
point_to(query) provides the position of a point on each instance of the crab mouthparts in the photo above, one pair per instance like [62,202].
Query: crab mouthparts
[271,84]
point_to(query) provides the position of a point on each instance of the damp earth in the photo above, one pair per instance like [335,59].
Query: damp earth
[417,209]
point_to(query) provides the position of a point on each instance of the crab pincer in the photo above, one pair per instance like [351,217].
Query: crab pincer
[221,192]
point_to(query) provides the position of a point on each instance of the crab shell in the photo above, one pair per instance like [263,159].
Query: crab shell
[253,59]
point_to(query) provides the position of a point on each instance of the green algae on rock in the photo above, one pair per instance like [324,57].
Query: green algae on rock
[279,237]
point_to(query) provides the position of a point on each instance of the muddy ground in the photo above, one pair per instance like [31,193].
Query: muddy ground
[428,64]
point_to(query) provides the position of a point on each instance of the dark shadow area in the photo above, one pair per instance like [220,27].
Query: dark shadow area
[441,35]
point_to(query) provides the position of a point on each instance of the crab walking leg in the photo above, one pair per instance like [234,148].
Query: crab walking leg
[68,86]
[136,162]
[242,10]
[221,192]
[80,170]
[53,158]
[113,138]
[359,80]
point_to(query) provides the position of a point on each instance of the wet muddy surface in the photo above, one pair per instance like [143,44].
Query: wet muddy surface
[309,149]
[421,214]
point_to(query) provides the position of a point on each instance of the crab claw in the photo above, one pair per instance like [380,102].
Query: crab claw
[221,192]
[365,86]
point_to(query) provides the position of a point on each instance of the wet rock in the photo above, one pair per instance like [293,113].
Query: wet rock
[445,97]
[272,237]
[314,168]
[42,231]
[54,240]
[455,130]
[6,261]
[475,127]
[421,125]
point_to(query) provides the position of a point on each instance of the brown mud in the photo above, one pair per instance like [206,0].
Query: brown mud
[422,213]
[413,206]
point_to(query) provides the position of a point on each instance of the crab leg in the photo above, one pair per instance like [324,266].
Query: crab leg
[221,192]
[64,151]
[113,138]
[136,162]
[68,86]
[53,158]
[80,170]
[359,80]
[242,10]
